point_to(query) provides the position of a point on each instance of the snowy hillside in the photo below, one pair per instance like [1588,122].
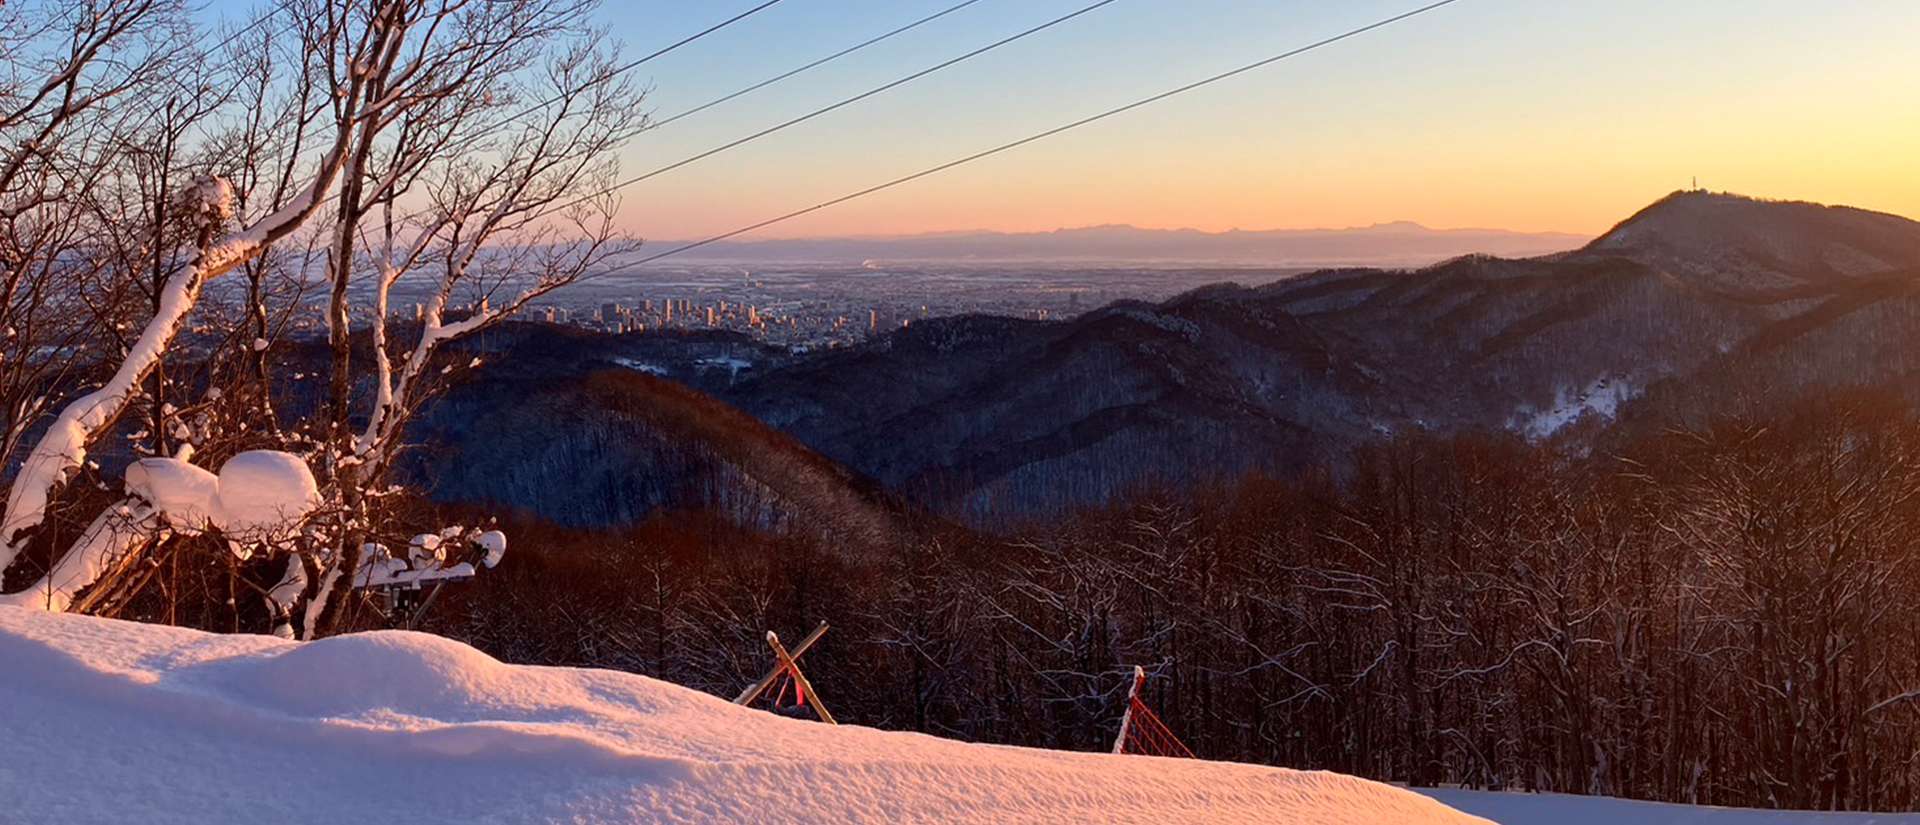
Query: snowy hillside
[1559,809]
[115,722]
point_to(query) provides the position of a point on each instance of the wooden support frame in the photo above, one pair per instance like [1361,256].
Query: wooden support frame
[754,690]
[806,687]
[785,662]
[1126,719]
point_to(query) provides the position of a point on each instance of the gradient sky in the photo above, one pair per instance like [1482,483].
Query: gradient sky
[1523,114]
[1526,114]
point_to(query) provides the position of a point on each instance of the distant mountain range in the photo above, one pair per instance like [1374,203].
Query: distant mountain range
[1699,303]
[1392,244]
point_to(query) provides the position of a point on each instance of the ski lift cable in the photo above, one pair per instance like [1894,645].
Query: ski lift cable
[894,84]
[637,63]
[817,63]
[1005,147]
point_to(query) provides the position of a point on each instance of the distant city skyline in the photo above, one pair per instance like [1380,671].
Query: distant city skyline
[983,230]
[1500,114]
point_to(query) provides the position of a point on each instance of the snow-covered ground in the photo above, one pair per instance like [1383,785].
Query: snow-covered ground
[111,722]
[642,366]
[1603,397]
[1556,809]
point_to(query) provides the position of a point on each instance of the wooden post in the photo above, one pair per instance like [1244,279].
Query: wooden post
[754,690]
[1126,719]
[806,688]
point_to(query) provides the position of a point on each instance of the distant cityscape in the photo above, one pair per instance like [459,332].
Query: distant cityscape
[789,323]
[811,307]
[803,308]
[822,293]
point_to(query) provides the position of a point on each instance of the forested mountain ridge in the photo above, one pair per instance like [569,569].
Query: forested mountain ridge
[1745,245]
[1698,302]
[1607,522]
[618,443]
[1711,291]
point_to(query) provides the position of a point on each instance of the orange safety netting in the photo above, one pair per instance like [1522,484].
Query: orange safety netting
[785,685]
[1143,733]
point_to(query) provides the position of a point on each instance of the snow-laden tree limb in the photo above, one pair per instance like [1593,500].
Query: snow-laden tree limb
[62,449]
[115,534]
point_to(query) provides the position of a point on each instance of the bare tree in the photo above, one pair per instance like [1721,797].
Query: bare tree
[464,147]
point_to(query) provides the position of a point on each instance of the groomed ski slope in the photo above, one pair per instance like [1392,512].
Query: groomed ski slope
[113,722]
[1560,809]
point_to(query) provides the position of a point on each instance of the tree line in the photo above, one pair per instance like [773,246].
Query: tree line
[1722,613]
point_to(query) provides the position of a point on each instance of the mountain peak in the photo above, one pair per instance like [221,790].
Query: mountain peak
[1678,206]
[1398,226]
[1696,215]
[1733,236]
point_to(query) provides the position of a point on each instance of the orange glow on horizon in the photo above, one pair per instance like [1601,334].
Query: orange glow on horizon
[1541,127]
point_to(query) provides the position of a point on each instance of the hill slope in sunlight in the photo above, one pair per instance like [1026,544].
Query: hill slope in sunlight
[117,722]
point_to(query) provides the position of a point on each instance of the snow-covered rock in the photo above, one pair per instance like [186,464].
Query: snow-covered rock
[116,722]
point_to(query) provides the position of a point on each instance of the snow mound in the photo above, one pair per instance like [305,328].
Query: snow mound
[180,491]
[1561,809]
[262,492]
[402,673]
[258,495]
[138,723]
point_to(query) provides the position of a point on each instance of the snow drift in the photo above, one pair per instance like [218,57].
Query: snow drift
[1561,809]
[117,722]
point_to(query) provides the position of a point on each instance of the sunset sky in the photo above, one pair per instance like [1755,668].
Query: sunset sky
[1523,114]
[1562,115]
